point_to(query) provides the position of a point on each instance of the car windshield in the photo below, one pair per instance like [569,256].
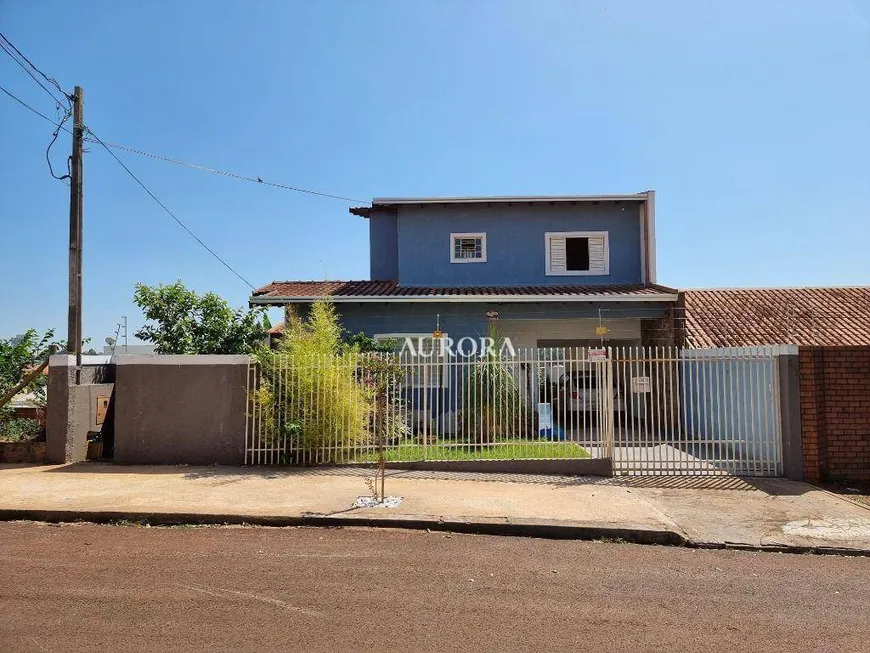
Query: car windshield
[585,378]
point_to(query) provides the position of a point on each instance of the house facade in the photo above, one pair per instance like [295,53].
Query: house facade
[559,271]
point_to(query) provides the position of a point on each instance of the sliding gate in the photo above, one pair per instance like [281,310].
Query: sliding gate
[697,412]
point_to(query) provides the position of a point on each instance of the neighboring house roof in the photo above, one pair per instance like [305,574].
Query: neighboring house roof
[774,316]
[393,202]
[285,292]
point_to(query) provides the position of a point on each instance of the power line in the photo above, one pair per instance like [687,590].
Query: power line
[58,125]
[195,166]
[50,80]
[30,108]
[216,171]
[165,208]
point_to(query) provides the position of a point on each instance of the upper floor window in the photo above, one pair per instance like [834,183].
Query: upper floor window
[467,248]
[577,253]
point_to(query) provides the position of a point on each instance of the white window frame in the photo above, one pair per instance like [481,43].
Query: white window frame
[444,364]
[453,238]
[577,234]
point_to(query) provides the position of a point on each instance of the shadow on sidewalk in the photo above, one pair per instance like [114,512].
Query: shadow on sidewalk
[769,486]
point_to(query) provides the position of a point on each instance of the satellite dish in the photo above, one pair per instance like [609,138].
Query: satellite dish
[110,341]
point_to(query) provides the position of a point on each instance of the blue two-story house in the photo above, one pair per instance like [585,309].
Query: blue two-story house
[559,271]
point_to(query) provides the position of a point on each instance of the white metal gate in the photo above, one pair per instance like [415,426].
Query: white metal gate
[697,412]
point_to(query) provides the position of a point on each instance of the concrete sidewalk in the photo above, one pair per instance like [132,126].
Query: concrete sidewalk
[713,511]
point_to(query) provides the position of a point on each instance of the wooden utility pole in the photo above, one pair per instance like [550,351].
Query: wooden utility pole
[74,322]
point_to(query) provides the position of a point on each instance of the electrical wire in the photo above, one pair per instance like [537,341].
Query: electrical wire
[24,67]
[68,174]
[62,107]
[30,108]
[226,173]
[58,127]
[50,80]
[167,210]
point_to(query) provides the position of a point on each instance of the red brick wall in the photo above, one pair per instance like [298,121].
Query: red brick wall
[835,412]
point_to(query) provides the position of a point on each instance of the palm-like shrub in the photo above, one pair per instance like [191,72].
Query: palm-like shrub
[495,402]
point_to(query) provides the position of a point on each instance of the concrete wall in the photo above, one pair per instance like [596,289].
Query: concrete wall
[180,409]
[835,412]
[515,243]
[72,409]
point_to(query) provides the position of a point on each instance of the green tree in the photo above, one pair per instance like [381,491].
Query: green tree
[182,321]
[18,356]
[21,353]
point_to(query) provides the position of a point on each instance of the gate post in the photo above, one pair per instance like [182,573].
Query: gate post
[790,415]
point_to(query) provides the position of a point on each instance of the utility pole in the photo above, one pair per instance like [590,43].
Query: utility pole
[74,321]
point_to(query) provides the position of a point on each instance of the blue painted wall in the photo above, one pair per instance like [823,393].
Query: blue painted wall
[515,243]
[459,320]
[383,247]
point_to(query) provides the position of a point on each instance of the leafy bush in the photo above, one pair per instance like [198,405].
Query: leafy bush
[18,430]
[317,388]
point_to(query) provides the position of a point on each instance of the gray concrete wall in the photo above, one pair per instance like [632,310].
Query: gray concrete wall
[790,417]
[72,409]
[180,409]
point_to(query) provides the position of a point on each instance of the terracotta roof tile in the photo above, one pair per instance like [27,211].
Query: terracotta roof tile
[773,316]
[296,289]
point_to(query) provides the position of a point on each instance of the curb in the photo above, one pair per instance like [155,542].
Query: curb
[779,548]
[553,530]
[523,528]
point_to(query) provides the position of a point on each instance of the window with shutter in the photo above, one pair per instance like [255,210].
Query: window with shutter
[577,253]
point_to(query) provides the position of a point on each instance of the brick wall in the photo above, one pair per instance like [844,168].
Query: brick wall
[835,412]
[666,331]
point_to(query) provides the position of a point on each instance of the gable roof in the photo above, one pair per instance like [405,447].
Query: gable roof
[287,292]
[773,316]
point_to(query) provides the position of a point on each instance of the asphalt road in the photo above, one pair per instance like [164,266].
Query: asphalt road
[122,588]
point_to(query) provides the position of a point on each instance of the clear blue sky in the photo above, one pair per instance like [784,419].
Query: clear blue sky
[751,120]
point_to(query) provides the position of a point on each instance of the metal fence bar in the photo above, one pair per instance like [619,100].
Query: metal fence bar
[696,412]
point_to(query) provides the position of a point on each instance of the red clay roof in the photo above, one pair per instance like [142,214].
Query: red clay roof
[304,289]
[774,316]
